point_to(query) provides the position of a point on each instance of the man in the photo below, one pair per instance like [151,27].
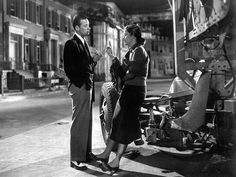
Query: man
[79,68]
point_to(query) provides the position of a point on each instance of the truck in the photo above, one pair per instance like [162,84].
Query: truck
[199,111]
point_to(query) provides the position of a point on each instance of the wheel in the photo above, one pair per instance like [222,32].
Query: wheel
[107,103]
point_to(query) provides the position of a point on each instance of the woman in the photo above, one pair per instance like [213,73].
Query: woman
[125,126]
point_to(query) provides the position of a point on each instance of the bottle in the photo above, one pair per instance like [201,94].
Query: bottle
[151,130]
[151,122]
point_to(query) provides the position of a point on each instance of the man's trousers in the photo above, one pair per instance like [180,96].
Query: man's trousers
[81,128]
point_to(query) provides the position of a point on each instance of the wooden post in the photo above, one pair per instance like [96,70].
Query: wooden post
[1,84]
[22,86]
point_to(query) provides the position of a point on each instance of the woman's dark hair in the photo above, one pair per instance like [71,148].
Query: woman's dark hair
[135,30]
[77,19]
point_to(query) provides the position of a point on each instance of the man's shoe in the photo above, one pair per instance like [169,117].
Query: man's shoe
[89,158]
[94,157]
[78,166]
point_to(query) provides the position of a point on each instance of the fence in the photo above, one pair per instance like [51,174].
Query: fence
[16,82]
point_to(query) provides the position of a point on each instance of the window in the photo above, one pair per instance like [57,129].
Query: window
[38,14]
[61,55]
[58,21]
[27,10]
[13,7]
[171,65]
[156,48]
[15,50]
[170,49]
[62,18]
[39,52]
[54,52]
[66,25]
[161,66]
[55,20]
[27,54]
[49,18]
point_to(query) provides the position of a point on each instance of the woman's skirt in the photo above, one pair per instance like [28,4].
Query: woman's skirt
[125,125]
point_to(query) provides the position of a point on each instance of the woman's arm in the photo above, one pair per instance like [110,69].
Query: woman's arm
[138,62]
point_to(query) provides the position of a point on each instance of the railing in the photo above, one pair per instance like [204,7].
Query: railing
[15,81]
[32,66]
[5,65]
[15,64]
[36,83]
[47,67]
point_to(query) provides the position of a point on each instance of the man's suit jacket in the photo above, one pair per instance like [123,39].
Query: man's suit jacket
[78,63]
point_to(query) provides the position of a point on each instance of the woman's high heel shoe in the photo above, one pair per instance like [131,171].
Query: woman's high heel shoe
[107,167]
[94,157]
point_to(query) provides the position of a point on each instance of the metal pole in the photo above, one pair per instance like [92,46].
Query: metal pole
[44,30]
[3,45]
[174,33]
[3,16]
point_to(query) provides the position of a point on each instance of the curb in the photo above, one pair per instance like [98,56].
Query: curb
[17,96]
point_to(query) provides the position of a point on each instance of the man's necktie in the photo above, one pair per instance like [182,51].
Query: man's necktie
[127,55]
[86,46]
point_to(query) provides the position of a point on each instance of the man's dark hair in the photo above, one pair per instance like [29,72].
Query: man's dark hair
[77,19]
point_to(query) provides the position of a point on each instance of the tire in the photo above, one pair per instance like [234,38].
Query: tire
[107,103]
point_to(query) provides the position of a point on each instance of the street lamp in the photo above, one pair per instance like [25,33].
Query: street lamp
[3,46]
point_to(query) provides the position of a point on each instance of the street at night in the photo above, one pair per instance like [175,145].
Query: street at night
[161,75]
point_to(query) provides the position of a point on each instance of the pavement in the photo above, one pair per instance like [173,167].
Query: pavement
[44,151]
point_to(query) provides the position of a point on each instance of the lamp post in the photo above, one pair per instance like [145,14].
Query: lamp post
[3,46]
[3,16]
[45,33]
[174,34]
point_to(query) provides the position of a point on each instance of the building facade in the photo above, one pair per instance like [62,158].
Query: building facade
[159,42]
[33,33]
[160,50]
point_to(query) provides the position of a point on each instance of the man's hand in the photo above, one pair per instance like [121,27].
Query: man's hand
[96,55]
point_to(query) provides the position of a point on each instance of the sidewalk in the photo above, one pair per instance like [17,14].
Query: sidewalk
[41,152]
[44,152]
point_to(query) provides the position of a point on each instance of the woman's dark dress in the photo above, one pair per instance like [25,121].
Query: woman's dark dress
[126,126]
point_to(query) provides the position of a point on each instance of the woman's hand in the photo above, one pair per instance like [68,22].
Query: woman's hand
[128,76]
[126,62]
